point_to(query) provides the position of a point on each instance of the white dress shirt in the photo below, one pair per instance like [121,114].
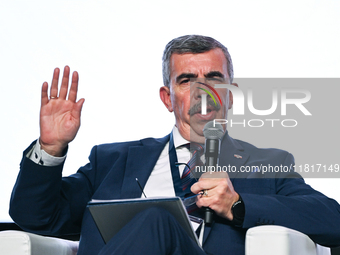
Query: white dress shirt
[160,181]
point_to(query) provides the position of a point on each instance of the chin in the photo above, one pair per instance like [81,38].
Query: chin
[196,133]
[197,138]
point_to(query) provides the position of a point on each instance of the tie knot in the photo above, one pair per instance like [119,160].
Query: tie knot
[194,148]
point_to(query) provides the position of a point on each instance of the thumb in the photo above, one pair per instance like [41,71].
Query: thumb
[78,107]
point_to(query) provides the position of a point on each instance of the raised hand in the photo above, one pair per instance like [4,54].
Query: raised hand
[59,116]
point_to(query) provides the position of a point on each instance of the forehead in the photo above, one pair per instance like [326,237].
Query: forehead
[198,64]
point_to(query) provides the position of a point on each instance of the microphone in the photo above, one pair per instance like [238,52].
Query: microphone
[213,133]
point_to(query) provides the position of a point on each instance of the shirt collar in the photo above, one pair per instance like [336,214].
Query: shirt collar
[178,138]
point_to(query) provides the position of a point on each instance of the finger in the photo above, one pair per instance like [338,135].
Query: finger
[195,188]
[74,87]
[64,83]
[214,175]
[208,183]
[204,201]
[54,84]
[78,107]
[209,197]
[202,185]
[44,96]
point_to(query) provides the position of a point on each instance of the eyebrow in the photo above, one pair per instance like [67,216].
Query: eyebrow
[186,76]
[211,74]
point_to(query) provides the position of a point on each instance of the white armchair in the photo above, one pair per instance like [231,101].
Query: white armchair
[262,240]
[13,242]
[269,240]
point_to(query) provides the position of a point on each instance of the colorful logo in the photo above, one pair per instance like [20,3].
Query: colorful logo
[210,94]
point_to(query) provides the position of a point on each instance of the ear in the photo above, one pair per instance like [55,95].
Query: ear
[231,98]
[164,93]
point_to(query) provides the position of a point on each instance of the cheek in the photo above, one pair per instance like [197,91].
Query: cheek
[182,107]
[181,103]
[225,97]
[226,101]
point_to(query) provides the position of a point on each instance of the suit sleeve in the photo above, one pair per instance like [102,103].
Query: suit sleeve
[44,202]
[294,204]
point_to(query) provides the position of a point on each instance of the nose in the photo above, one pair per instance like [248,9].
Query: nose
[198,89]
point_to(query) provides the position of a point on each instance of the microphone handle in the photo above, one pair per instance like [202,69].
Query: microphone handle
[208,215]
[213,134]
[212,151]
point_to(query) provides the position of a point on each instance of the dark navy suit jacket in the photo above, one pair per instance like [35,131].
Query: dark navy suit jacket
[45,203]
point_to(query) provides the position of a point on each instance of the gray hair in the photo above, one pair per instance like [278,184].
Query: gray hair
[192,44]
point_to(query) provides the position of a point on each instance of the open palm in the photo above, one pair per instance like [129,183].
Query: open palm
[59,116]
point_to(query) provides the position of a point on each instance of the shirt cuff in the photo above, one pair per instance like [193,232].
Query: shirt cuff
[39,156]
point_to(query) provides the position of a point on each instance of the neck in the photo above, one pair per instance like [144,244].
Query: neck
[191,136]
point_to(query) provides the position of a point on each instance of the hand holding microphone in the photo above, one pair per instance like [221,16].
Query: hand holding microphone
[218,192]
[213,134]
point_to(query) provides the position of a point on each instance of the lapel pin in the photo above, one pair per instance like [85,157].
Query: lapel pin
[237,156]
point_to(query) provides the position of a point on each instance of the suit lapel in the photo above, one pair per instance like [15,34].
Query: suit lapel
[232,155]
[140,163]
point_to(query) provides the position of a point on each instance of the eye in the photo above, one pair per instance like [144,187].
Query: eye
[184,81]
[217,79]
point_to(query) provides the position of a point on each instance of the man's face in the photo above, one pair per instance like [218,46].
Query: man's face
[183,94]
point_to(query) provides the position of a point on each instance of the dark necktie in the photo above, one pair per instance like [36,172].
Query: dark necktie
[187,176]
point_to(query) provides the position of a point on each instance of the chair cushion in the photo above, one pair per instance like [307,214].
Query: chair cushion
[23,243]
[269,240]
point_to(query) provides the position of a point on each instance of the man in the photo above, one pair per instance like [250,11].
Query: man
[44,202]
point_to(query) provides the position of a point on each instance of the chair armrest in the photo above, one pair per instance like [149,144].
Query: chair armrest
[268,240]
[20,243]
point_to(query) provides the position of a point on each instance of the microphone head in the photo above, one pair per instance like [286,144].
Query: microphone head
[213,130]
